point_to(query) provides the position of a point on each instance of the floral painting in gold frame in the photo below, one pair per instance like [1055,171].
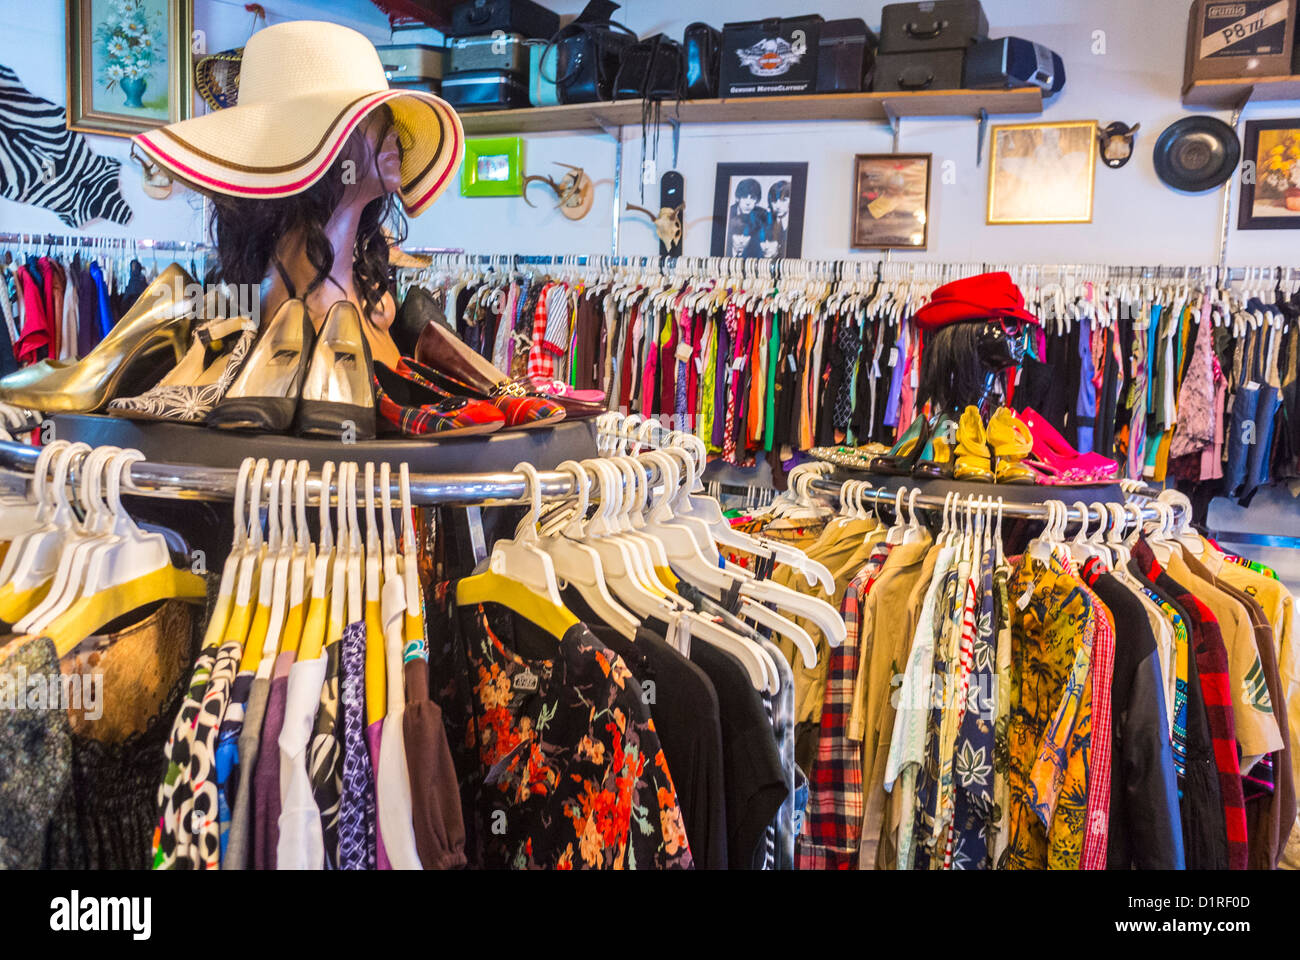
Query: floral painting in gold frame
[128,64]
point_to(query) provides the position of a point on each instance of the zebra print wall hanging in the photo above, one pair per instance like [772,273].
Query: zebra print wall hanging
[45,164]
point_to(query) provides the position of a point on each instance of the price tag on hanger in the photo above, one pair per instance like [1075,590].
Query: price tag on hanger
[478,543]
[893,356]
[684,352]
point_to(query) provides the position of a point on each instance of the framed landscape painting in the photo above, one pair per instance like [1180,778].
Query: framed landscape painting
[128,64]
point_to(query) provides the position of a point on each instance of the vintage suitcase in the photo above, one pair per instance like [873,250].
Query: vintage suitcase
[480,90]
[934,70]
[1012,62]
[703,48]
[541,74]
[504,51]
[763,58]
[478,17]
[1242,38]
[845,55]
[932,25]
[414,65]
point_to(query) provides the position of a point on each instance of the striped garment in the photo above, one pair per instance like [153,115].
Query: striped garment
[45,164]
[1097,830]
[833,827]
[1181,642]
[1212,664]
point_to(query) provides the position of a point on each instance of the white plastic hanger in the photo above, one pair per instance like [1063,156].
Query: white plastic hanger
[684,553]
[17,524]
[579,565]
[520,558]
[33,558]
[320,579]
[356,556]
[411,571]
[273,583]
[76,547]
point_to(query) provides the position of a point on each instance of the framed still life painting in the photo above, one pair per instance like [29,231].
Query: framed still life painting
[1270,200]
[892,206]
[1042,172]
[128,64]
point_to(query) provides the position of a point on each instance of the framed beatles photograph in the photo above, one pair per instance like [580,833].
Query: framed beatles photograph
[892,206]
[128,64]
[758,210]
[1042,172]
[1271,199]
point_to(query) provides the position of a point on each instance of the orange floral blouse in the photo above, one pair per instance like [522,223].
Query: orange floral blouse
[557,758]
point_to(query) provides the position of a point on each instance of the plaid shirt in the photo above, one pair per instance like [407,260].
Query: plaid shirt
[1103,673]
[541,362]
[833,826]
[1212,664]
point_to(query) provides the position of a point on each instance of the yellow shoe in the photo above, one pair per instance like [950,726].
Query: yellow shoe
[1011,440]
[151,336]
[974,462]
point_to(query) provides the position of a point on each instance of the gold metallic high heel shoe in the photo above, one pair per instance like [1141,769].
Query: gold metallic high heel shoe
[149,338]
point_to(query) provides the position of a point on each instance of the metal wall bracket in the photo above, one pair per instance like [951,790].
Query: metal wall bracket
[1226,212]
[983,129]
[894,119]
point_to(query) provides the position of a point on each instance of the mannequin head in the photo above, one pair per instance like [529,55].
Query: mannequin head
[357,193]
[961,363]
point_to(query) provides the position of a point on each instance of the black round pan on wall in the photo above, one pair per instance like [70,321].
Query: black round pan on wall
[1196,153]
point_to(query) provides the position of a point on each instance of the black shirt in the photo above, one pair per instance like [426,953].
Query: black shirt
[755,782]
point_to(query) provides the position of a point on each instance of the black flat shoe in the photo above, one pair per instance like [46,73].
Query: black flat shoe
[265,394]
[338,396]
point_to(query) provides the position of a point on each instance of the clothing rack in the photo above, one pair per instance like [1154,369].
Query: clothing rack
[171,481]
[839,269]
[104,243]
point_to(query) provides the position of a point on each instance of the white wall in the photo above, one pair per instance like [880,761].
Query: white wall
[1137,220]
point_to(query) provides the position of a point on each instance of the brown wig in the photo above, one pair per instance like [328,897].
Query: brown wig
[246,231]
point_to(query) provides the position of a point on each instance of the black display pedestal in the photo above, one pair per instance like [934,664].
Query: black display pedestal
[182,443]
[208,526]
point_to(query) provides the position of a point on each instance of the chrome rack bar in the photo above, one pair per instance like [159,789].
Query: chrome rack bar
[170,481]
[1028,511]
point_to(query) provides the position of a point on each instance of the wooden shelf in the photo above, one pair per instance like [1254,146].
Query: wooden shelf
[830,106]
[1229,94]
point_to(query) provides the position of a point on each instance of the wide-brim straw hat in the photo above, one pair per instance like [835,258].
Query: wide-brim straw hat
[304,87]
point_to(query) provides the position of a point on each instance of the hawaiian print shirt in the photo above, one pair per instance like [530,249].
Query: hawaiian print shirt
[975,817]
[558,760]
[1053,623]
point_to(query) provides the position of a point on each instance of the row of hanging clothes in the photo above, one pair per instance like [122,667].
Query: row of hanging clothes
[600,693]
[1111,700]
[1187,374]
[633,679]
[61,295]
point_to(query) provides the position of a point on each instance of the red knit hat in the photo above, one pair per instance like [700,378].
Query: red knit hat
[988,296]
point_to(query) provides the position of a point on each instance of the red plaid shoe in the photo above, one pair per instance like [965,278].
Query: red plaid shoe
[418,410]
[522,410]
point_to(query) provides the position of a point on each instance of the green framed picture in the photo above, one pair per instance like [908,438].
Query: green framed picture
[494,167]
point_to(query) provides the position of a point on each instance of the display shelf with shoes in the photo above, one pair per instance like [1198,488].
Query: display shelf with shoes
[185,443]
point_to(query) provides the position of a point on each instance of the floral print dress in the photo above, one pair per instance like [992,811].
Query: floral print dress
[557,758]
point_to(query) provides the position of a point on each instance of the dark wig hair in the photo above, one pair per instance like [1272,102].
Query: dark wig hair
[952,375]
[246,231]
